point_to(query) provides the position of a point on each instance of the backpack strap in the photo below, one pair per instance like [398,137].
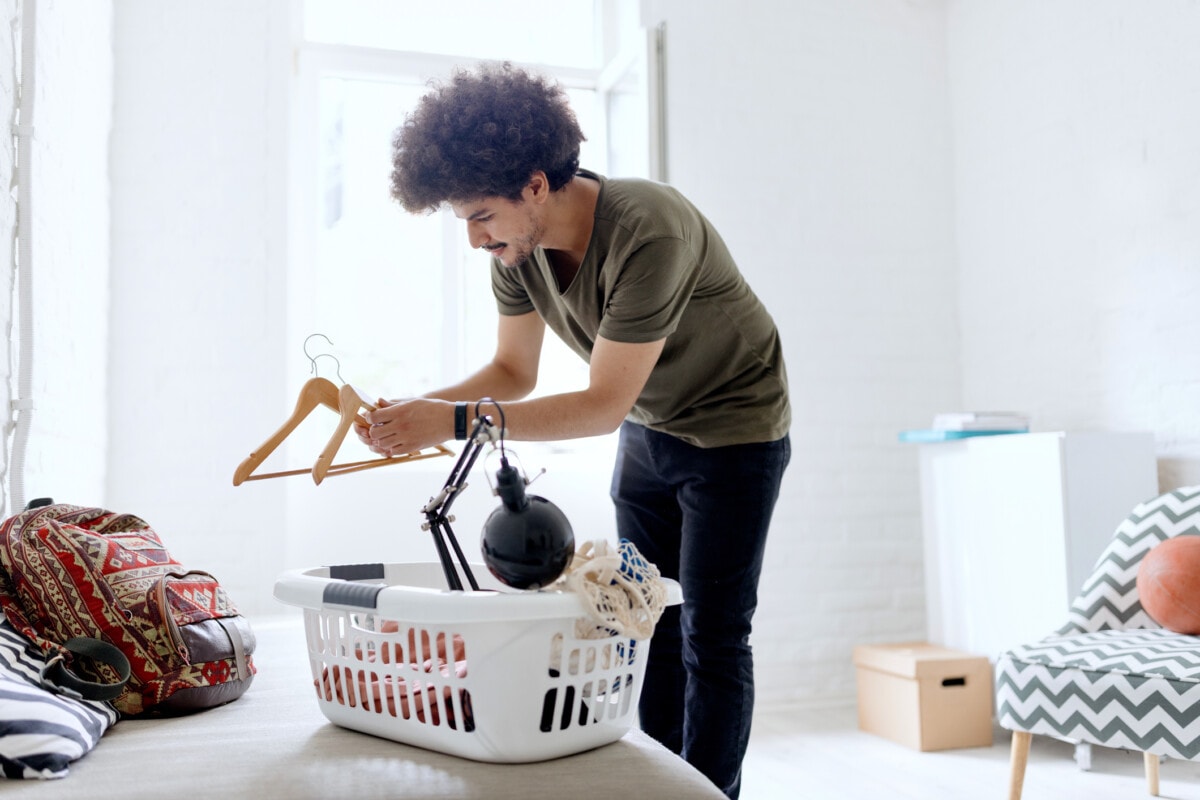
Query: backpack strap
[241,665]
[57,677]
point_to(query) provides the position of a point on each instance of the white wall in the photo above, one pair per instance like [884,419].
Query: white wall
[199,206]
[868,177]
[9,47]
[815,136]
[1078,215]
[68,161]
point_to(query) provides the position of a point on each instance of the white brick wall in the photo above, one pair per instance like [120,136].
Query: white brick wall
[9,46]
[66,456]
[68,441]
[1078,215]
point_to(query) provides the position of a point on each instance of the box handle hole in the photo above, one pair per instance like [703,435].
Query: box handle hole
[954,681]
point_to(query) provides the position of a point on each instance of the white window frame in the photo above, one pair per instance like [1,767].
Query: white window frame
[315,61]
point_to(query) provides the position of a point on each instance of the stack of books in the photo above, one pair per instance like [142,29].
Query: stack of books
[965,424]
[999,421]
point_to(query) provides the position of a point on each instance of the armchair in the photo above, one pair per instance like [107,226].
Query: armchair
[1111,675]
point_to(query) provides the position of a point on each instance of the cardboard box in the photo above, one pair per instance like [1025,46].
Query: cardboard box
[924,696]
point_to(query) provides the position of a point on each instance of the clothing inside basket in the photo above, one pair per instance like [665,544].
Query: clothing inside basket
[392,685]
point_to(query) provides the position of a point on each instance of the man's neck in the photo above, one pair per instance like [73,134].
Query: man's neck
[569,219]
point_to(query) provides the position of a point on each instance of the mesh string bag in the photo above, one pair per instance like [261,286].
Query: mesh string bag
[623,592]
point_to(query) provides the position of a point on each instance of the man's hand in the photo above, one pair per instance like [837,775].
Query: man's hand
[399,427]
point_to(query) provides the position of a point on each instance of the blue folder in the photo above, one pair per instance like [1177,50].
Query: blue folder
[928,435]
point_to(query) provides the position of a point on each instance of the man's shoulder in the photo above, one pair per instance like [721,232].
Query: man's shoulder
[644,209]
[641,190]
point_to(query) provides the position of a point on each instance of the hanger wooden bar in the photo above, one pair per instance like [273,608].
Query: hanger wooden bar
[315,392]
[347,402]
[359,466]
[350,400]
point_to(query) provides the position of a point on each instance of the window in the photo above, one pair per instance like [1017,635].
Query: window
[405,301]
[560,33]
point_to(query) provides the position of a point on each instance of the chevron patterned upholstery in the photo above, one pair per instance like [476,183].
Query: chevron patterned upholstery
[1111,675]
[1109,598]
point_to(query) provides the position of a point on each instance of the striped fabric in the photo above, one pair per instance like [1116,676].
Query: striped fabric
[1111,675]
[1109,598]
[41,733]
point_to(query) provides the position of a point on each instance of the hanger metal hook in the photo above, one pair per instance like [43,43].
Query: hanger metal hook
[337,369]
[311,335]
[313,359]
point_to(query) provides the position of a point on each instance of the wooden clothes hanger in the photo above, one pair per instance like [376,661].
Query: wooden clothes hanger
[350,401]
[315,392]
[347,402]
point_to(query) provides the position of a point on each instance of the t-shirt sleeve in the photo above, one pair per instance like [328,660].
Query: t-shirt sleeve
[650,292]
[511,297]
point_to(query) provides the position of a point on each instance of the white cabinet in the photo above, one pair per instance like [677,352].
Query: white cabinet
[1014,524]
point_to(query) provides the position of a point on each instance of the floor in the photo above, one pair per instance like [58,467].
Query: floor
[819,754]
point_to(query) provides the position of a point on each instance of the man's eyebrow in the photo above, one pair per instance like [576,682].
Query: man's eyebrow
[480,213]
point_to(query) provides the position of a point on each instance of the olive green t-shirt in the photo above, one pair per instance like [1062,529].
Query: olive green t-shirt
[655,268]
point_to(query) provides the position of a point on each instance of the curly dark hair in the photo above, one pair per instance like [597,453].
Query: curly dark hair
[484,134]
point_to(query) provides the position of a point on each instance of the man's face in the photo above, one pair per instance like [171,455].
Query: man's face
[507,229]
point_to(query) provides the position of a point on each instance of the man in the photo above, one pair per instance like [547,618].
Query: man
[683,359]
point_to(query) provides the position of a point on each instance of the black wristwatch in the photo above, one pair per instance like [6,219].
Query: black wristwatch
[460,421]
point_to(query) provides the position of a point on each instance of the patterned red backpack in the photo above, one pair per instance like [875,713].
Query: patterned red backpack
[80,582]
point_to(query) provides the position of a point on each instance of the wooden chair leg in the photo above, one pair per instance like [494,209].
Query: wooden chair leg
[1020,756]
[1151,773]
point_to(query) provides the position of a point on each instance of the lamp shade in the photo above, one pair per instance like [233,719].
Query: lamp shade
[527,541]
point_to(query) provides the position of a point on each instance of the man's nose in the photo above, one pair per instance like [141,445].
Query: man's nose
[476,236]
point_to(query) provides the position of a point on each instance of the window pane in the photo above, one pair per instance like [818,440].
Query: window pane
[406,301]
[403,295]
[628,122]
[378,269]
[532,31]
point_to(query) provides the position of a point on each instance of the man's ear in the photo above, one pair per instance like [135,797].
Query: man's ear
[538,188]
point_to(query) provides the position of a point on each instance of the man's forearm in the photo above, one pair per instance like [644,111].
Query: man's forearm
[491,381]
[556,417]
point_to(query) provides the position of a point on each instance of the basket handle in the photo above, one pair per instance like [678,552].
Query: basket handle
[357,595]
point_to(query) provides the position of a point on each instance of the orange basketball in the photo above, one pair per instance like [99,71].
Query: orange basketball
[1168,584]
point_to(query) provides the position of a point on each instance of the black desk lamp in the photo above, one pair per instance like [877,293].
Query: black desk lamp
[527,541]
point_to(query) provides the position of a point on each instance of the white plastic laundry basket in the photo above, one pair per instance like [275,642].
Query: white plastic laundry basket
[493,676]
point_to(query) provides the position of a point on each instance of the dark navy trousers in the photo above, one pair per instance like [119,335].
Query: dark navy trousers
[701,515]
